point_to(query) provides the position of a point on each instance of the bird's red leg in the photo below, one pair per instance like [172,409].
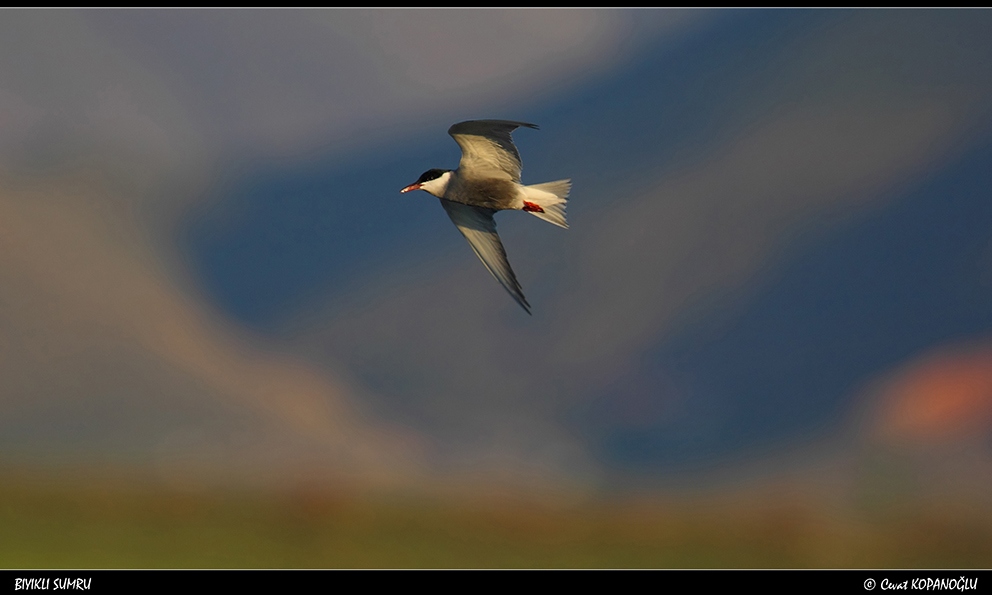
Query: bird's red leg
[531,207]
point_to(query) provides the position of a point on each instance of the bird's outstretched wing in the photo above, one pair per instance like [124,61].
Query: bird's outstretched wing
[479,228]
[487,149]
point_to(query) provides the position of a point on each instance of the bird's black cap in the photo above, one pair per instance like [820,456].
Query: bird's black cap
[431,174]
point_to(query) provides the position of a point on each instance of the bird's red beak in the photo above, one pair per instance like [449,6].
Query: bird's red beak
[410,188]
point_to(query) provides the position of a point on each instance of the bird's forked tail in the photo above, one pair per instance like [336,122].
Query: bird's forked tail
[548,201]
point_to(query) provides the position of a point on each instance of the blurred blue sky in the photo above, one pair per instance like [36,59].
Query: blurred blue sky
[210,265]
[786,363]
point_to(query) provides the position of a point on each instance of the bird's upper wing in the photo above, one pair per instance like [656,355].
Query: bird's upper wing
[487,149]
[479,228]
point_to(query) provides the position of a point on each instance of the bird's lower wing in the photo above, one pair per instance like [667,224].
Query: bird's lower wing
[479,228]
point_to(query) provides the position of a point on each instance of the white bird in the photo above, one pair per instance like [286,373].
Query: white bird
[488,180]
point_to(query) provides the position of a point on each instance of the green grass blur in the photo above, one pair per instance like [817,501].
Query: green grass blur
[76,523]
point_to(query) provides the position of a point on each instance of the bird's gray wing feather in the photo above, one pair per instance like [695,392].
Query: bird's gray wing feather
[487,149]
[479,228]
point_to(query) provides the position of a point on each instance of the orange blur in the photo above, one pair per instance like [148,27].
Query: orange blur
[940,396]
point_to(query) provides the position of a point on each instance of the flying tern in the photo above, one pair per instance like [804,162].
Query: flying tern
[488,180]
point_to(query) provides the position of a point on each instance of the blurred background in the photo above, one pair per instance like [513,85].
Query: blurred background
[226,340]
